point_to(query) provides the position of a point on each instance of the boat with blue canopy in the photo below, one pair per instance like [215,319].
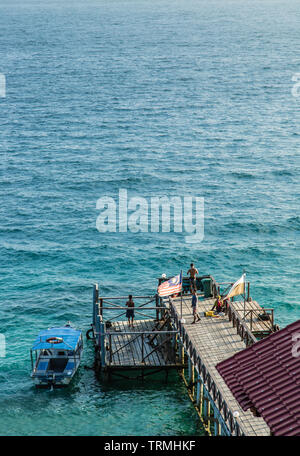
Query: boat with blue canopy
[57,356]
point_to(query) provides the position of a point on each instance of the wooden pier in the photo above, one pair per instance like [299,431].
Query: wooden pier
[148,347]
[138,347]
[205,344]
[164,337]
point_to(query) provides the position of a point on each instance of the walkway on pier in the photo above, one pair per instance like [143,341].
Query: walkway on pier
[215,339]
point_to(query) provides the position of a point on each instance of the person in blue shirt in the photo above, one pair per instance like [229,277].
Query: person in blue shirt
[194,306]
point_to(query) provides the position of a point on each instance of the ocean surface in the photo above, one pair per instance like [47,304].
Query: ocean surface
[162,99]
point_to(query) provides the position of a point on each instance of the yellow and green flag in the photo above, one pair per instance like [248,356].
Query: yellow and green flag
[237,288]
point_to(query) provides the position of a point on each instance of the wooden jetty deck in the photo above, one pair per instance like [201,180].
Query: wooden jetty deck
[163,338]
[216,339]
[149,346]
[252,320]
[137,347]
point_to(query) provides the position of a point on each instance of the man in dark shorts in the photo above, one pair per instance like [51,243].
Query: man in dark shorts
[193,272]
[130,310]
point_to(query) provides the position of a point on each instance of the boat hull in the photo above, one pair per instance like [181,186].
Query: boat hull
[58,382]
[58,353]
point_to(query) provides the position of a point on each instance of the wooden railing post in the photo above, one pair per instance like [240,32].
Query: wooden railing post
[102,340]
[110,349]
[101,307]
[241,328]
[216,424]
[181,356]
[191,376]
[157,305]
[199,393]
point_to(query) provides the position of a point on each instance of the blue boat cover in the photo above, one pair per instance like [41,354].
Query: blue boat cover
[69,335]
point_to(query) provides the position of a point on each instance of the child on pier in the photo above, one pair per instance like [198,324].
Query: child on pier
[194,306]
[130,310]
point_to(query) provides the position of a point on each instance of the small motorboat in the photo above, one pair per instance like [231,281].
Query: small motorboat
[57,356]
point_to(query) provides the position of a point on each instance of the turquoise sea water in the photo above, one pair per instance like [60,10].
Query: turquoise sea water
[159,98]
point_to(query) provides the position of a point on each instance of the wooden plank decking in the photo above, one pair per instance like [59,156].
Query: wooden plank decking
[215,339]
[256,325]
[128,350]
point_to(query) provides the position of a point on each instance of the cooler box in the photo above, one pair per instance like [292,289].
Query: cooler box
[207,288]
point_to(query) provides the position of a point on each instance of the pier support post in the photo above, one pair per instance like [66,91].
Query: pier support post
[199,394]
[208,413]
[206,409]
[181,357]
[191,377]
[190,368]
[204,406]
[95,300]
[174,346]
[157,305]
[216,424]
[102,342]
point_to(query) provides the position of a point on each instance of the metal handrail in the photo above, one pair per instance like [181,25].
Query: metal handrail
[133,308]
[130,333]
[126,297]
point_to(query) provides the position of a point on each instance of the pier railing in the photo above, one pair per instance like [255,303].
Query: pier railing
[142,342]
[241,327]
[245,328]
[111,303]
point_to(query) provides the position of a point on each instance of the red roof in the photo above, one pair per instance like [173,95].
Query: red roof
[267,376]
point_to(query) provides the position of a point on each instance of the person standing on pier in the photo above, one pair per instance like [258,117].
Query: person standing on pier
[194,306]
[193,273]
[130,310]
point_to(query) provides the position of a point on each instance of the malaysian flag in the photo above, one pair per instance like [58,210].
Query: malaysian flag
[170,286]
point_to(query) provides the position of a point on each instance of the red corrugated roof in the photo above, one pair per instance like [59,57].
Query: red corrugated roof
[267,376]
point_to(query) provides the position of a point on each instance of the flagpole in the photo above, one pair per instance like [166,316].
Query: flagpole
[181,295]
